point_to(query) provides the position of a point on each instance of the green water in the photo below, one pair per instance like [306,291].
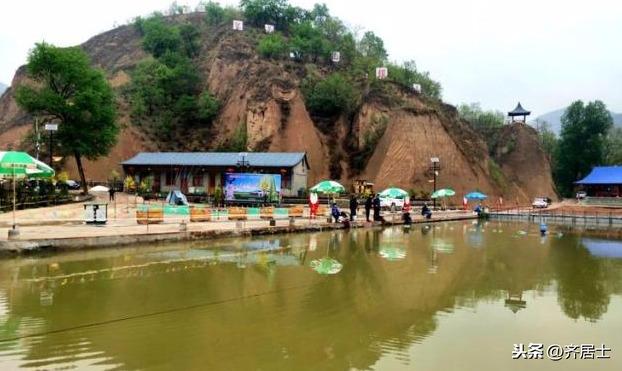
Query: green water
[455,296]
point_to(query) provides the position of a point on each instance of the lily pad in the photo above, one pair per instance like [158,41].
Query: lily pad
[326,265]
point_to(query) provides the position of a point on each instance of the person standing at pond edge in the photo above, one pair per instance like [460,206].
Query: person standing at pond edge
[368,206]
[354,204]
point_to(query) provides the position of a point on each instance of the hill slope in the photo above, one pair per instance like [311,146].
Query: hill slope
[389,138]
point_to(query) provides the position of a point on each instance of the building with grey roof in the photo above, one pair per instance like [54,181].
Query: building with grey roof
[203,172]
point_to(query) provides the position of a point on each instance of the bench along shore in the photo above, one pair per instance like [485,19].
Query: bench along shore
[152,225]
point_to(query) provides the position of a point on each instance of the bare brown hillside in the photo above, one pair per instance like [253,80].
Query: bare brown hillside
[263,97]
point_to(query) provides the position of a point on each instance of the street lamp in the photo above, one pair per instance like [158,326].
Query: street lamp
[435,167]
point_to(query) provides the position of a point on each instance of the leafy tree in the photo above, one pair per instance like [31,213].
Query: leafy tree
[613,147]
[214,13]
[308,43]
[329,97]
[407,75]
[372,46]
[78,96]
[478,118]
[582,142]
[208,106]
[273,46]
[261,12]
[189,36]
[159,37]
[547,139]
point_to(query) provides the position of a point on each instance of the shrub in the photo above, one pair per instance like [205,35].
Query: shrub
[208,106]
[160,37]
[273,46]
[214,13]
[329,97]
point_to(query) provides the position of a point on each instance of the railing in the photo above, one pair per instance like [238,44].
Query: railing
[571,216]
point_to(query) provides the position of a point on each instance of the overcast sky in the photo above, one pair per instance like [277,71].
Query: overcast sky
[496,52]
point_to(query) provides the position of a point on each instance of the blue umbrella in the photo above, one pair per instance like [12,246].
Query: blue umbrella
[475,196]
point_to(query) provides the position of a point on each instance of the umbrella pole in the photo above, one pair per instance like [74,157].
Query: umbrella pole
[13,197]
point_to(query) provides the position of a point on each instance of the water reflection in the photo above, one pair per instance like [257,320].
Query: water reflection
[193,307]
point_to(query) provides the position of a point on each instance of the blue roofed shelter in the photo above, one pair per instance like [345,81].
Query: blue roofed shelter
[603,181]
[202,172]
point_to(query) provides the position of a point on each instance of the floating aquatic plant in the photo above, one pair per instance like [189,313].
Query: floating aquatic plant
[326,265]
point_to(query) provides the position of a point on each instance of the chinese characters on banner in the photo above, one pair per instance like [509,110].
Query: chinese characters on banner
[381,73]
[269,28]
[238,25]
[556,352]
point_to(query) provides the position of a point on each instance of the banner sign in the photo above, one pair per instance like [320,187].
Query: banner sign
[250,187]
[238,25]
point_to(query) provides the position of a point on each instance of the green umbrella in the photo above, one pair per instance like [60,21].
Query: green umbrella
[445,192]
[328,186]
[14,165]
[19,165]
[42,171]
[393,193]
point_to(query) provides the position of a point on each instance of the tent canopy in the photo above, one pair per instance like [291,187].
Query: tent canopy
[176,198]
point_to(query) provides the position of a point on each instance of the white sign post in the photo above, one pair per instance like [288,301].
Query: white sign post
[238,25]
[336,57]
[269,28]
[382,73]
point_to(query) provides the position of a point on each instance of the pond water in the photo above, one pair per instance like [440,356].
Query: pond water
[453,296]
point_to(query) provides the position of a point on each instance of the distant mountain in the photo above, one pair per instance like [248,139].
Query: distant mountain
[554,118]
[2,88]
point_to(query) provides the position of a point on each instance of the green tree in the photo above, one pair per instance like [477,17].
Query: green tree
[407,75]
[214,13]
[478,118]
[159,37]
[261,12]
[273,46]
[308,43]
[78,96]
[372,46]
[329,97]
[208,106]
[547,139]
[582,142]
[613,146]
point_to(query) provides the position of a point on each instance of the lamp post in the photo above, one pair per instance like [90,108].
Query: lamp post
[435,167]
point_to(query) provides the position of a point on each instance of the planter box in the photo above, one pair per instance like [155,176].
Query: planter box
[266,212]
[296,211]
[237,213]
[153,216]
[199,214]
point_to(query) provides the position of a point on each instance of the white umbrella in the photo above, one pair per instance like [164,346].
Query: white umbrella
[99,188]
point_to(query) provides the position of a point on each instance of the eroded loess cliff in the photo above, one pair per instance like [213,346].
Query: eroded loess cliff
[388,140]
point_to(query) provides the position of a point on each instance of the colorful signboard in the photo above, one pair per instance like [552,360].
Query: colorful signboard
[250,187]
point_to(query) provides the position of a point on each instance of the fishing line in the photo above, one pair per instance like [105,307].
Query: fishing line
[152,314]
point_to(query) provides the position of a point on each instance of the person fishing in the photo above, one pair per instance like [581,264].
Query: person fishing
[376,205]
